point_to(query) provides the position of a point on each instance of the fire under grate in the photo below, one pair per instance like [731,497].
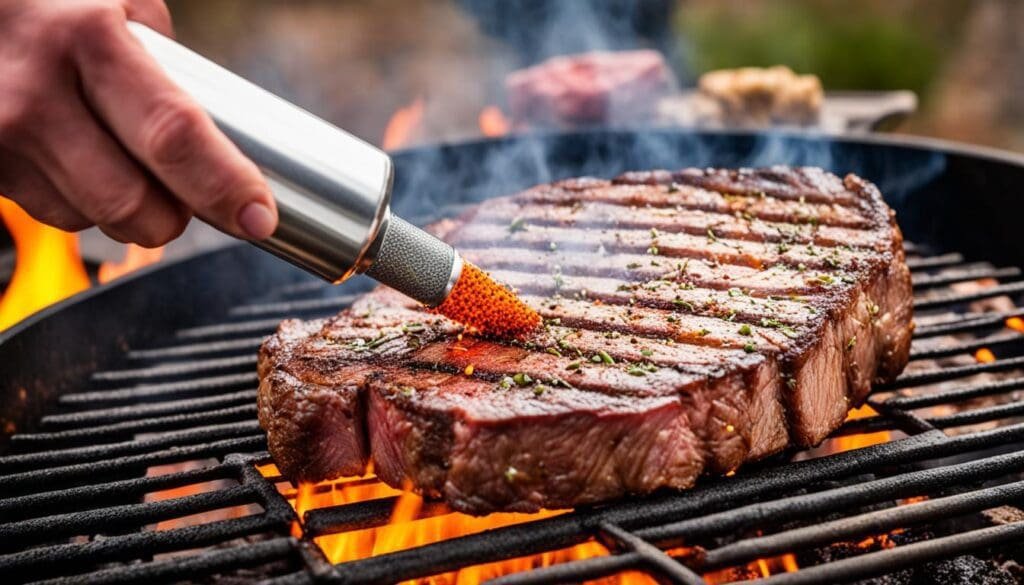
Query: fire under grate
[156,472]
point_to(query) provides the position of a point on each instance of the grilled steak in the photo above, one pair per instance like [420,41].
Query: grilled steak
[694,320]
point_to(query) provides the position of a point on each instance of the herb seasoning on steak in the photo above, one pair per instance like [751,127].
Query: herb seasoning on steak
[693,320]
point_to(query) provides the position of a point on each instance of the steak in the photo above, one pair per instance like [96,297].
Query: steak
[694,320]
[590,88]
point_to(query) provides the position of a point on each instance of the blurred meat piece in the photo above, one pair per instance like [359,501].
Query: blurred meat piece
[757,97]
[589,88]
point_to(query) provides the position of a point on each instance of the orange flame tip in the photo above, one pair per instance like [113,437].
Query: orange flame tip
[485,306]
[493,122]
[403,125]
[48,267]
[135,257]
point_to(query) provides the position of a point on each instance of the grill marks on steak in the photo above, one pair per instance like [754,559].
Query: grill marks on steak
[755,313]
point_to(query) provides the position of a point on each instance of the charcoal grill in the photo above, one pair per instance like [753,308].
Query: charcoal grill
[157,370]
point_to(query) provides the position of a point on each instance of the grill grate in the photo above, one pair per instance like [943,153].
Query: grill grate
[187,404]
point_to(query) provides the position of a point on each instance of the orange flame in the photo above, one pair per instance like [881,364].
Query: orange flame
[414,522]
[493,122]
[404,125]
[861,440]
[48,267]
[135,257]
[1015,323]
[984,356]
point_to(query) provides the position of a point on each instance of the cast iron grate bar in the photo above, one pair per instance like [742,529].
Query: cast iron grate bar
[940,261]
[935,352]
[225,330]
[102,416]
[242,345]
[964,274]
[965,323]
[143,392]
[186,568]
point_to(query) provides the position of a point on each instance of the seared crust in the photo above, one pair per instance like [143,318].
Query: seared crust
[743,311]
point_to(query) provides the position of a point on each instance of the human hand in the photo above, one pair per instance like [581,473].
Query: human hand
[93,133]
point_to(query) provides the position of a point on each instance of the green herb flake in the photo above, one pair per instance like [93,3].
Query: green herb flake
[553,351]
[749,348]
[789,332]
[407,391]
[574,366]
[633,265]
[646,352]
[712,238]
[851,343]
[702,332]
[381,340]
[505,383]
[511,474]
[744,329]
[653,251]
[539,389]
[826,279]
[521,379]
[518,225]
[735,292]
[683,304]
[604,357]
[413,327]
[636,371]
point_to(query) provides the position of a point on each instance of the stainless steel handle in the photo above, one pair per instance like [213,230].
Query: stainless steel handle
[332,189]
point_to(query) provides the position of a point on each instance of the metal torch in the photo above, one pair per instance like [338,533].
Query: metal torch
[332,189]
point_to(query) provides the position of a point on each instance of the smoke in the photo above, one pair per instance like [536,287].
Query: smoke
[436,182]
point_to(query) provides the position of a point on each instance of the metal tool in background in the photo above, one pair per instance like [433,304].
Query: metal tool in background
[332,189]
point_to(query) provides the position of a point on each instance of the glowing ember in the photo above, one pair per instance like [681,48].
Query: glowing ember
[493,122]
[135,257]
[984,356]
[403,125]
[410,527]
[861,440]
[1015,323]
[759,569]
[414,523]
[483,305]
[48,267]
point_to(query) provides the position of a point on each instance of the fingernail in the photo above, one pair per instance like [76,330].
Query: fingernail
[257,221]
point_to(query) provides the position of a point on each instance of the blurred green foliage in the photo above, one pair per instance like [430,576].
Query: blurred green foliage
[849,45]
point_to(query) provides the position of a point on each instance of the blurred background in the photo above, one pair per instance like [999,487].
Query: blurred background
[400,73]
[355,62]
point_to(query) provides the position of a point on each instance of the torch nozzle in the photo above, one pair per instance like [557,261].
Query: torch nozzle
[423,267]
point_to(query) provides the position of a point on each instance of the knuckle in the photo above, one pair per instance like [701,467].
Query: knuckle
[90,27]
[167,229]
[14,119]
[116,208]
[171,135]
[20,114]
[92,21]
[223,188]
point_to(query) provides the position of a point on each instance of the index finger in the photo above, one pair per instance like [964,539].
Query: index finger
[170,134]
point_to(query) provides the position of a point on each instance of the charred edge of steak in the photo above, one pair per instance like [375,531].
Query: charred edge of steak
[704,402]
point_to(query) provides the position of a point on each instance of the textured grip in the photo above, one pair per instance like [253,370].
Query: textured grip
[414,263]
